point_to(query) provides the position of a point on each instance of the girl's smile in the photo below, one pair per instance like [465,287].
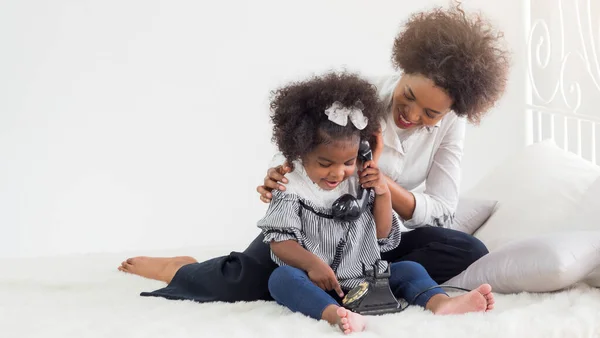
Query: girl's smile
[329,164]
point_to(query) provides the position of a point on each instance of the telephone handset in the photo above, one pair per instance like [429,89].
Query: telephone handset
[347,207]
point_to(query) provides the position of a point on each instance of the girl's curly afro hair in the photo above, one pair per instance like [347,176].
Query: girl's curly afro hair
[298,112]
[460,54]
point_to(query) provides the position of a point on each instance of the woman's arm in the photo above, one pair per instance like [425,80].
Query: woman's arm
[275,178]
[403,201]
[436,205]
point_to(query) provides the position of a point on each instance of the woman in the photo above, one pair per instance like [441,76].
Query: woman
[453,70]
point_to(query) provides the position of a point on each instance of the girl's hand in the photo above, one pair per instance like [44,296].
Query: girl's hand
[274,176]
[322,275]
[371,177]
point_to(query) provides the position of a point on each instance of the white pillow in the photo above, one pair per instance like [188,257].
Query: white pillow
[540,264]
[586,216]
[546,262]
[535,190]
[471,213]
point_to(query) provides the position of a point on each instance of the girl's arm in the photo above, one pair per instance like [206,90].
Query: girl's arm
[371,177]
[282,228]
[293,254]
[382,212]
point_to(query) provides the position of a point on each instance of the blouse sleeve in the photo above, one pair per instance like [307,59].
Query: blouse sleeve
[282,219]
[278,159]
[436,205]
[393,239]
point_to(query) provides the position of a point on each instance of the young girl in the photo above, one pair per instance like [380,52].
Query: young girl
[318,125]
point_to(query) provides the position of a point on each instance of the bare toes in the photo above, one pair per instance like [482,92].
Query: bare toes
[490,301]
[342,313]
[484,289]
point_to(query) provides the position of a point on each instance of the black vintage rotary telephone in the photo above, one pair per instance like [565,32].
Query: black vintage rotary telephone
[374,296]
[348,208]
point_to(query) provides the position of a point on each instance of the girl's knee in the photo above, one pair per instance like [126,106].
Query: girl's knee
[282,277]
[408,268]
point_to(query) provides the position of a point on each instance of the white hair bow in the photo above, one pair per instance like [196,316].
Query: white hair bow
[339,114]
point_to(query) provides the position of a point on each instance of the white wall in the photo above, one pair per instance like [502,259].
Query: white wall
[143,125]
[502,131]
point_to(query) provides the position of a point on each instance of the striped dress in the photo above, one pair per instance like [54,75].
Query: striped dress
[289,217]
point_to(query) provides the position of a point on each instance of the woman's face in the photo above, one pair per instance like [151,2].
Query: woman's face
[417,102]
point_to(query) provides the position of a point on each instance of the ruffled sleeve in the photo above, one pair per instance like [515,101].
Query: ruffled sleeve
[393,239]
[282,219]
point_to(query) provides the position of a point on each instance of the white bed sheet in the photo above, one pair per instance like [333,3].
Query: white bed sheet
[85,296]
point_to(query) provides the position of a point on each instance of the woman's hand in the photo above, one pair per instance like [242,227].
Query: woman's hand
[323,276]
[371,177]
[376,143]
[272,181]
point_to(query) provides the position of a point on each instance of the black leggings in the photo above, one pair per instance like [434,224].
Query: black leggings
[244,276]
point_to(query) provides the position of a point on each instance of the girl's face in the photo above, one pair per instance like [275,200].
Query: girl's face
[330,164]
[417,102]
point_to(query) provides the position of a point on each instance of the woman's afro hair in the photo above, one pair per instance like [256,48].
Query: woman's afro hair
[461,54]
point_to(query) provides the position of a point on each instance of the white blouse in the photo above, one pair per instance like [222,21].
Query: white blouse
[429,155]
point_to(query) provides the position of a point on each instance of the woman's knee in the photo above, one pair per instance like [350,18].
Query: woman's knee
[470,247]
[475,248]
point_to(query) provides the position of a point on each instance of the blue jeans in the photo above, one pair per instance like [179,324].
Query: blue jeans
[292,288]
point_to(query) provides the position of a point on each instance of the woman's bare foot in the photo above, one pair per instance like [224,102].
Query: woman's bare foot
[348,321]
[478,300]
[158,268]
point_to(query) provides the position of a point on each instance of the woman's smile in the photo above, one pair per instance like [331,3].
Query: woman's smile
[401,120]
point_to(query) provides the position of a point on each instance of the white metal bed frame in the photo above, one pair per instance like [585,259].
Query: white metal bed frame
[563,74]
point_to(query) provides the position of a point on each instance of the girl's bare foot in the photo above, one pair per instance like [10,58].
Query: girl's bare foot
[348,321]
[158,268]
[478,300]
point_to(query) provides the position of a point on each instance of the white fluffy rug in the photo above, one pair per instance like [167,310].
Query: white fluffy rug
[85,296]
